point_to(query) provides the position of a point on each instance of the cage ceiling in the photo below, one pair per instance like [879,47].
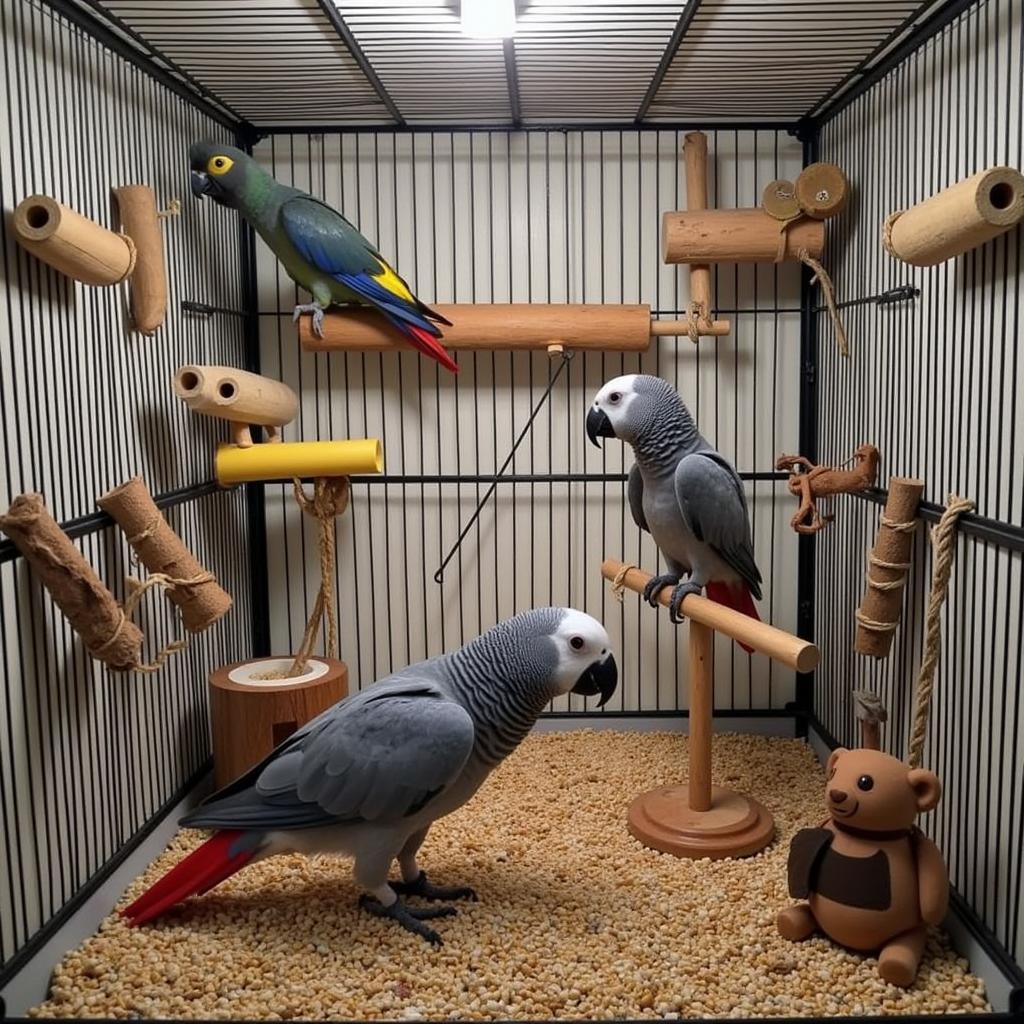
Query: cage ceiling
[289,63]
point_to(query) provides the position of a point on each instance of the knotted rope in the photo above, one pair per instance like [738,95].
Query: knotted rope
[695,312]
[619,583]
[943,538]
[828,290]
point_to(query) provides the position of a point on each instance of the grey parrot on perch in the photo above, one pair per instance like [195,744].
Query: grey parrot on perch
[369,776]
[319,248]
[682,492]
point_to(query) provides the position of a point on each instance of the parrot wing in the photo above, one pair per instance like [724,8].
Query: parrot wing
[710,497]
[326,240]
[635,493]
[383,753]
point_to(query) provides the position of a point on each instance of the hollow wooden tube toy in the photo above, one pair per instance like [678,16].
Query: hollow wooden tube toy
[695,156]
[238,396]
[191,587]
[73,244]
[80,594]
[700,819]
[965,215]
[289,460]
[501,327]
[736,236]
[879,613]
[147,285]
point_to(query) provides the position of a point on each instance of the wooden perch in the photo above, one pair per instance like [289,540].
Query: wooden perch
[869,710]
[147,285]
[702,820]
[238,396]
[736,236]
[500,327]
[824,481]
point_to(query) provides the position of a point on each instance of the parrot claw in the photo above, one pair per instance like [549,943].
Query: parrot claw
[682,591]
[411,919]
[656,584]
[421,887]
[318,316]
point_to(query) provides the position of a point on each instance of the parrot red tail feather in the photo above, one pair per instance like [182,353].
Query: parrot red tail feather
[737,597]
[429,346]
[199,872]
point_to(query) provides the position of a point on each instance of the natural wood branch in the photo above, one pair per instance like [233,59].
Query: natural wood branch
[823,481]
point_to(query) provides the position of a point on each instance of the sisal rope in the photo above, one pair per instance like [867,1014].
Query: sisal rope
[619,583]
[828,290]
[694,314]
[943,538]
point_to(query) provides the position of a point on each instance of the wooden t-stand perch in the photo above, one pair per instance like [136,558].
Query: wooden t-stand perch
[699,819]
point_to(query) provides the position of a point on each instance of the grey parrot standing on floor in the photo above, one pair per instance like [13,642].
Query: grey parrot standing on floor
[369,776]
[683,492]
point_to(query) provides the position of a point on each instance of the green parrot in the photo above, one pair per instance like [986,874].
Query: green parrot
[319,248]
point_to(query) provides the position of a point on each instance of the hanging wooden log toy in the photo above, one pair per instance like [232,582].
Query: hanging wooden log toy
[816,482]
[82,249]
[870,712]
[962,217]
[240,397]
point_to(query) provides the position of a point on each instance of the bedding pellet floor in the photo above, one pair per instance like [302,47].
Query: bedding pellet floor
[576,919]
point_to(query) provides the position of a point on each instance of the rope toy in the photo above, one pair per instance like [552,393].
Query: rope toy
[619,583]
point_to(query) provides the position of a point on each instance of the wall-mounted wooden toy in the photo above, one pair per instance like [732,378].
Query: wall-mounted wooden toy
[289,460]
[965,215]
[501,327]
[871,879]
[238,396]
[82,249]
[699,819]
[88,605]
[823,481]
[888,563]
[695,157]
[191,587]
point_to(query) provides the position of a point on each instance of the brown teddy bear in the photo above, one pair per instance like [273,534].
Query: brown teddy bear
[871,879]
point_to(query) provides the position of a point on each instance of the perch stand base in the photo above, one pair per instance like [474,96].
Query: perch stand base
[735,826]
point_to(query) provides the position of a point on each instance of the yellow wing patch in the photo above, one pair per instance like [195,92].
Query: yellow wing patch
[387,278]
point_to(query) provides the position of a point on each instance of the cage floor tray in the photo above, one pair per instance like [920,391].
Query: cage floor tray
[575,920]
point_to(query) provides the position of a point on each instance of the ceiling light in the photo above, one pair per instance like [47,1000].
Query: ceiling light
[489,19]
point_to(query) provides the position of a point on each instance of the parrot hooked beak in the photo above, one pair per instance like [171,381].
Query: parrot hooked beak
[598,425]
[203,185]
[602,677]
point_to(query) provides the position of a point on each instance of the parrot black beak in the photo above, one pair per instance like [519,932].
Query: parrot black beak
[201,184]
[598,425]
[602,677]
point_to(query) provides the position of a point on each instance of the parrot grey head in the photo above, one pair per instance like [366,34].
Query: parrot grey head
[219,171]
[558,649]
[636,407]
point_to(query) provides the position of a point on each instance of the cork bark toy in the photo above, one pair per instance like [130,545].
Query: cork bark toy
[189,585]
[824,481]
[870,878]
[238,396]
[88,605]
[962,217]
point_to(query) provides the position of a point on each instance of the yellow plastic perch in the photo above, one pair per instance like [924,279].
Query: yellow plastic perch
[284,460]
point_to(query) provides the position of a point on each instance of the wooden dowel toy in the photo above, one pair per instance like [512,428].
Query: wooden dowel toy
[695,155]
[500,327]
[89,606]
[238,396]
[302,459]
[191,586]
[779,645]
[71,243]
[736,236]
[148,283]
[965,215]
[700,819]
[879,611]
[869,710]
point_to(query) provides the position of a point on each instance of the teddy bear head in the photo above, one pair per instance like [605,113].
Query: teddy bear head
[869,790]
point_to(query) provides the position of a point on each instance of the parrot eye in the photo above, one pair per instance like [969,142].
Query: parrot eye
[866,783]
[576,643]
[614,397]
[220,165]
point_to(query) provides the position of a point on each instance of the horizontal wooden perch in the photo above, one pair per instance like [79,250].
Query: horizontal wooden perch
[736,236]
[502,327]
[303,459]
[778,645]
[238,396]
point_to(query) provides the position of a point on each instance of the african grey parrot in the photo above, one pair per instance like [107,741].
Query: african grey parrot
[319,248]
[683,492]
[369,776]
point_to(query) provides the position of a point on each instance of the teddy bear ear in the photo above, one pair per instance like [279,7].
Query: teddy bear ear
[833,757]
[926,787]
